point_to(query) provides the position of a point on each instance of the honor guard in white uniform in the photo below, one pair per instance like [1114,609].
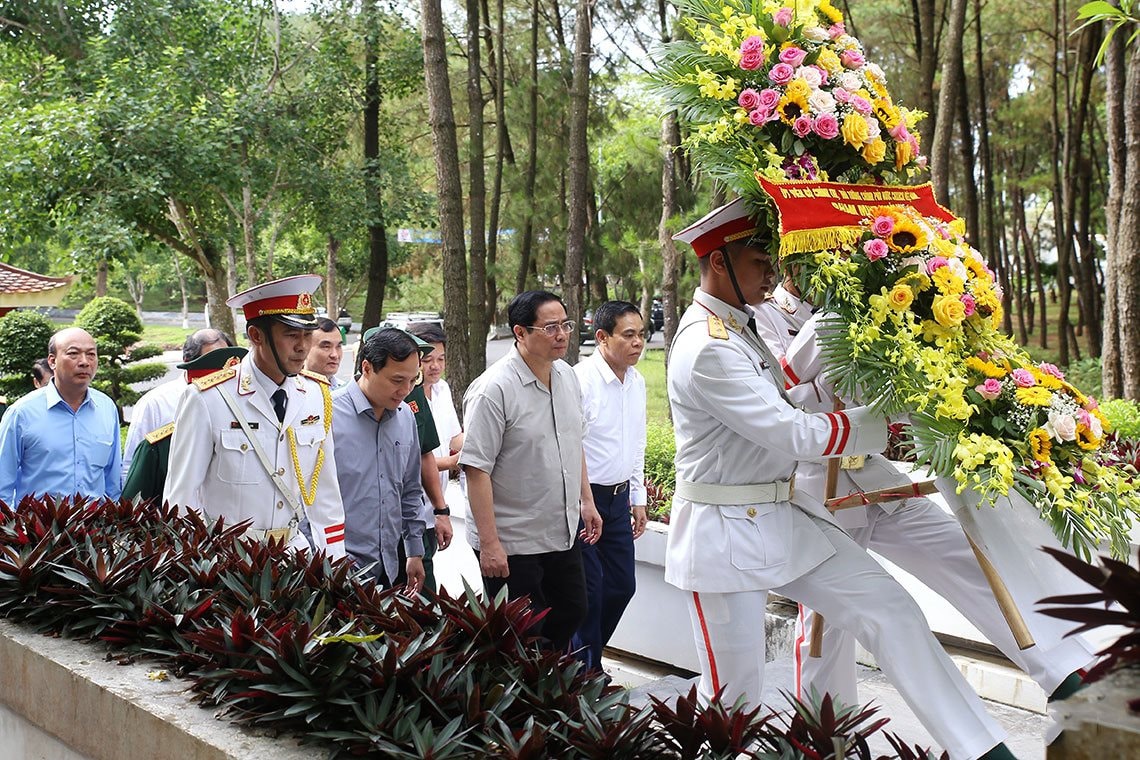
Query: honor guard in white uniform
[253,442]
[740,527]
[916,534]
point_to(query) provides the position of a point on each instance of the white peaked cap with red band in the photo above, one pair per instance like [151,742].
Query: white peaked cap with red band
[723,225]
[289,300]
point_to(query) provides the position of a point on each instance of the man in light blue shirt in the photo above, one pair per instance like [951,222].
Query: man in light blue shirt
[62,439]
[377,451]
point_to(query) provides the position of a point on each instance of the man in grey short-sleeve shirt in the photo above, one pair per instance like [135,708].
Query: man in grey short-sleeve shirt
[526,478]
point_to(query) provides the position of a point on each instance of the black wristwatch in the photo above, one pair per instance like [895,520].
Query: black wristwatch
[445,512]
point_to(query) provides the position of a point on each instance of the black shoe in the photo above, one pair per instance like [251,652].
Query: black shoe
[1000,752]
[1068,687]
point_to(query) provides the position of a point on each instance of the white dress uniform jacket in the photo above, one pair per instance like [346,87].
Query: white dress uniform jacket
[214,469]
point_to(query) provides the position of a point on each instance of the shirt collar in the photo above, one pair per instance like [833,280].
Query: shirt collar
[604,368]
[361,404]
[521,368]
[790,303]
[733,318]
[263,379]
[53,397]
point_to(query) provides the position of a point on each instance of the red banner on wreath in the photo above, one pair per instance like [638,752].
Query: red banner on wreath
[818,216]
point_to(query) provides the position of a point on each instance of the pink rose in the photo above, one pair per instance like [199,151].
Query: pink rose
[836,31]
[769,98]
[822,73]
[781,73]
[989,390]
[968,301]
[899,132]
[883,226]
[842,95]
[861,104]
[851,59]
[792,56]
[936,263]
[875,249]
[782,17]
[760,117]
[1051,369]
[1023,377]
[827,126]
[751,60]
[748,99]
[801,127]
[752,44]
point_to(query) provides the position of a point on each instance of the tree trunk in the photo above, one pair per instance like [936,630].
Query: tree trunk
[101,279]
[217,277]
[947,99]
[968,162]
[181,272]
[926,51]
[669,258]
[477,203]
[502,151]
[579,168]
[332,247]
[526,257]
[247,234]
[231,270]
[442,118]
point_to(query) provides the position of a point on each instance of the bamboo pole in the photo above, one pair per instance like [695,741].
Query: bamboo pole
[1004,599]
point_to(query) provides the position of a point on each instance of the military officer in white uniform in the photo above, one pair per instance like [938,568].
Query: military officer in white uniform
[921,538]
[253,442]
[739,526]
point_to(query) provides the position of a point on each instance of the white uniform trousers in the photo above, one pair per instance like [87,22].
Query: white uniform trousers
[921,538]
[853,591]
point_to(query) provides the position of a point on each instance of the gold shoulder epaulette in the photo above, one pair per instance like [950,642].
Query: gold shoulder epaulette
[165,431]
[717,328]
[215,378]
[315,376]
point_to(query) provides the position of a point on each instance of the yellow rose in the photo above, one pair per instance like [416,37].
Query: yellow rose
[900,297]
[903,154]
[949,311]
[874,151]
[830,61]
[797,89]
[854,130]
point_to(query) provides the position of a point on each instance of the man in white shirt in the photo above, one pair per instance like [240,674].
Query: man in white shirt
[613,403]
[327,351]
[440,400]
[158,406]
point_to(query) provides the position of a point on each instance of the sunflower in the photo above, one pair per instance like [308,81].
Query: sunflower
[989,369]
[791,107]
[1040,447]
[1086,440]
[906,237]
[833,14]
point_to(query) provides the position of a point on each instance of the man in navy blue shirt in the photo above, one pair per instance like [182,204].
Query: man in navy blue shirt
[62,439]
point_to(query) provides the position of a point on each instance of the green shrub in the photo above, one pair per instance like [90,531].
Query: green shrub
[116,329]
[660,473]
[1124,417]
[24,337]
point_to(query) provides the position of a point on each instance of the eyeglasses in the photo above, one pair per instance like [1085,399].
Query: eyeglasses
[552,330]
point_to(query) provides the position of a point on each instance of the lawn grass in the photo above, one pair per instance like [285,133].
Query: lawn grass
[652,368]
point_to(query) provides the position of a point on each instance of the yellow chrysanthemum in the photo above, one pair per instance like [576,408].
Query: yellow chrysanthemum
[1040,445]
[1033,396]
[900,298]
[854,130]
[874,151]
[989,369]
[947,282]
[791,108]
[918,281]
[906,236]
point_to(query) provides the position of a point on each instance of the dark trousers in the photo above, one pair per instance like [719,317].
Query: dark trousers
[609,571]
[555,582]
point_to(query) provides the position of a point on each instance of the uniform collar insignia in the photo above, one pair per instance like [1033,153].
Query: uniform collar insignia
[246,386]
[732,322]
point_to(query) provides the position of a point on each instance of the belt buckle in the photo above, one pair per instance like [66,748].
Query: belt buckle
[855,462]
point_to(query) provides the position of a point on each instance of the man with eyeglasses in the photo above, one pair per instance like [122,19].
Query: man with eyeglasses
[526,473]
[62,439]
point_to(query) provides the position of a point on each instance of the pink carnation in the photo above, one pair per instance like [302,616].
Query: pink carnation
[781,73]
[883,226]
[782,17]
[836,31]
[989,390]
[752,44]
[792,56]
[935,263]
[1051,369]
[801,127]
[769,98]
[861,104]
[1023,377]
[875,249]
[968,301]
[751,60]
[851,59]
[827,126]
[748,99]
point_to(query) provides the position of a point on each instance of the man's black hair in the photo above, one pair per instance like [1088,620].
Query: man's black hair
[192,348]
[41,370]
[607,315]
[324,324]
[428,332]
[522,311]
[389,343]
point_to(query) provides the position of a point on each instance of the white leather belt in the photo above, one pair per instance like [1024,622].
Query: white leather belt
[280,534]
[732,496]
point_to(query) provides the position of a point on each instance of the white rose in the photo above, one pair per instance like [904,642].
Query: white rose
[849,81]
[1063,427]
[874,71]
[815,33]
[1095,427]
[873,130]
[958,269]
[811,75]
[821,101]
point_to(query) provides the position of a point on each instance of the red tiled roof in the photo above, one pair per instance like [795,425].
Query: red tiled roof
[13,280]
